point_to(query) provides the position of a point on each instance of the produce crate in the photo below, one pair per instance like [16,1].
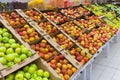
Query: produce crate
[15,65]
[41,65]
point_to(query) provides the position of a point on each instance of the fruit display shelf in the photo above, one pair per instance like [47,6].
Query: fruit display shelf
[13,54]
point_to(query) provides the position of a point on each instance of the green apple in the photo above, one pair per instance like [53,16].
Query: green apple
[46,74]
[5,34]
[11,41]
[45,78]
[1,38]
[27,75]
[10,36]
[14,45]
[40,72]
[39,78]
[2,49]
[1,31]
[4,30]
[17,60]
[20,72]
[15,54]
[31,70]
[24,50]
[34,75]
[25,69]
[18,50]
[19,77]
[34,65]
[9,64]
[23,56]
[7,45]
[3,60]
[10,77]
[9,51]
[9,57]
[1,44]
[29,53]
[18,45]
[22,46]
[2,54]
[5,39]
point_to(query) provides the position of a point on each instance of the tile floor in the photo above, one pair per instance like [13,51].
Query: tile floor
[108,68]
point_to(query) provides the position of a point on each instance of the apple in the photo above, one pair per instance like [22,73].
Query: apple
[24,50]
[3,60]
[45,79]
[10,77]
[5,39]
[14,45]
[2,49]
[17,60]
[25,69]
[7,45]
[5,34]
[2,54]
[29,53]
[9,51]
[23,56]
[9,64]
[31,70]
[11,41]
[46,74]
[9,57]
[18,50]
[27,75]
[19,77]
[34,65]
[40,72]
[1,38]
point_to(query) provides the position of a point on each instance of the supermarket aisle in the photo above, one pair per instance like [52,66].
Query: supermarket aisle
[108,68]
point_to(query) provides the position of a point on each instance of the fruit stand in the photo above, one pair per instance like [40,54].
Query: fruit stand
[59,44]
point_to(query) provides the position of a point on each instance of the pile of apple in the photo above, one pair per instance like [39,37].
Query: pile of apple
[29,72]
[89,22]
[27,33]
[57,18]
[75,12]
[48,27]
[63,41]
[34,15]
[44,49]
[71,29]
[96,38]
[14,19]
[11,52]
[62,66]
[79,55]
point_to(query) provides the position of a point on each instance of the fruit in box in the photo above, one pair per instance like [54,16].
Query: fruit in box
[96,38]
[75,12]
[11,52]
[56,17]
[13,19]
[89,22]
[27,33]
[48,27]
[62,40]
[71,29]
[79,55]
[62,67]
[34,15]
[29,72]
[44,49]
